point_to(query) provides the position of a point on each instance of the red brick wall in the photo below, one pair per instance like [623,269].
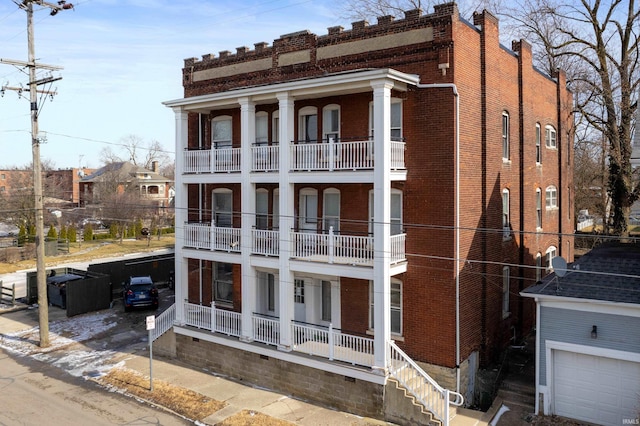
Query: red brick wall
[489,79]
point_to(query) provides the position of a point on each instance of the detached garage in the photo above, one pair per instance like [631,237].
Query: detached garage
[588,338]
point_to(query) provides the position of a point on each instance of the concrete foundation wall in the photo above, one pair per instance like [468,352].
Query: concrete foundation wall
[329,389]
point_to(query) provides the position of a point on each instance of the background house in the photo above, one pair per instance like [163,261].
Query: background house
[375,198]
[122,177]
[588,337]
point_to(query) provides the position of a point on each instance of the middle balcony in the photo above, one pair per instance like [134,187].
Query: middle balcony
[329,248]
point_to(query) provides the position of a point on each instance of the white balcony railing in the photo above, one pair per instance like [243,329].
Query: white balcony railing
[398,249]
[332,248]
[266,330]
[265,242]
[331,343]
[265,158]
[317,340]
[221,160]
[328,156]
[205,236]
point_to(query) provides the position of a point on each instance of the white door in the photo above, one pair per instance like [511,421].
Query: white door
[595,389]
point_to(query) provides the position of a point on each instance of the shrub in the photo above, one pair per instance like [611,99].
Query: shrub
[87,234]
[72,234]
[52,234]
[63,233]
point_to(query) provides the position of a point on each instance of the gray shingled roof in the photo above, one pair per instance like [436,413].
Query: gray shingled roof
[607,273]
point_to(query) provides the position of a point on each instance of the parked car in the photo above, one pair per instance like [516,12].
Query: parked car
[139,292]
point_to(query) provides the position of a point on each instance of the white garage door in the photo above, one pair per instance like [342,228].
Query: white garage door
[596,389]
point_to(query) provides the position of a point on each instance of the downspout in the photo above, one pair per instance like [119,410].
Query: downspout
[457,95]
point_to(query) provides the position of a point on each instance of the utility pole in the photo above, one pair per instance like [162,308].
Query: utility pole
[27,5]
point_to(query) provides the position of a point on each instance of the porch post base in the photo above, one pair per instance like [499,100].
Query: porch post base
[244,339]
[285,348]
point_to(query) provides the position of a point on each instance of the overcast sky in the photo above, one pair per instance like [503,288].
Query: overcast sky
[121,59]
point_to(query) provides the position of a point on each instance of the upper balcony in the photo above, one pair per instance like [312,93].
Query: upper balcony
[327,156]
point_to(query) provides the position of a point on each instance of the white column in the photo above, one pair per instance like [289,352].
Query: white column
[248,209]
[381,221]
[181,203]
[286,135]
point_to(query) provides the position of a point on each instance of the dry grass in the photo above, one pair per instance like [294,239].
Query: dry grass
[85,251]
[252,418]
[185,402]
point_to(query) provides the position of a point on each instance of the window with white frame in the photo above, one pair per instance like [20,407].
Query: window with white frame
[275,221]
[395,308]
[308,208]
[550,137]
[262,128]
[551,253]
[506,284]
[551,196]
[538,267]
[538,208]
[223,207]
[538,144]
[223,282]
[396,212]
[505,135]
[506,220]
[262,208]
[275,127]
[298,291]
[326,300]
[331,123]
[221,132]
[331,210]
[308,125]
[395,117]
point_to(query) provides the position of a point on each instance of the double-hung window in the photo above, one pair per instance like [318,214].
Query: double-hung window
[538,208]
[550,137]
[506,283]
[331,207]
[505,136]
[551,253]
[308,125]
[538,267]
[395,117]
[262,128]
[551,197]
[223,208]
[506,221]
[262,208]
[221,132]
[223,282]
[331,123]
[538,144]
[396,212]
[395,310]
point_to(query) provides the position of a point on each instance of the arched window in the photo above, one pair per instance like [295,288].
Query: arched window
[538,144]
[506,219]
[262,208]
[538,208]
[396,212]
[308,209]
[395,116]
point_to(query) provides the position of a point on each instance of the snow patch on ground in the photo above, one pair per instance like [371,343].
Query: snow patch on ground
[65,333]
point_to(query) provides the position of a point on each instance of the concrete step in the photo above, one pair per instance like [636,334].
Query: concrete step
[514,397]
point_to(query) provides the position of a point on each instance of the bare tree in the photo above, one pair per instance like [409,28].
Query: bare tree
[597,44]
[123,209]
[138,152]
[372,9]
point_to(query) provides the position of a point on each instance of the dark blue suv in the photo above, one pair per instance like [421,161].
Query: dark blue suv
[139,291]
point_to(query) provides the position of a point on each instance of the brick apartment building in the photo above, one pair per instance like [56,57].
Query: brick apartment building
[61,186]
[362,208]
